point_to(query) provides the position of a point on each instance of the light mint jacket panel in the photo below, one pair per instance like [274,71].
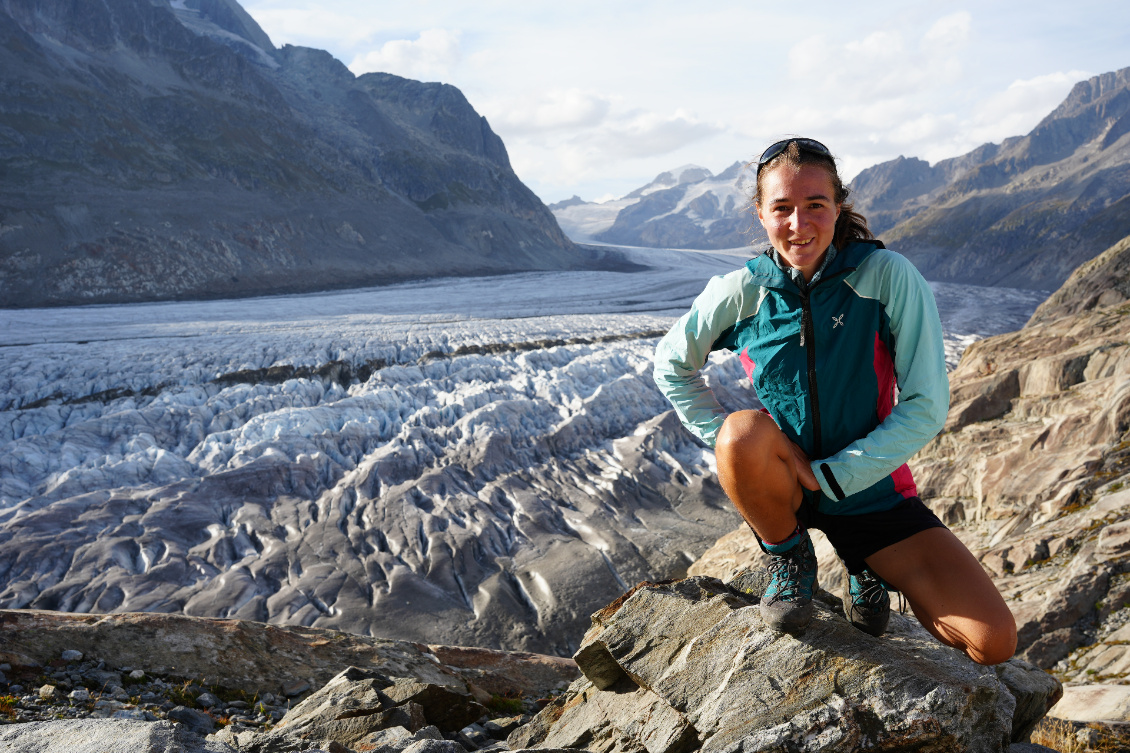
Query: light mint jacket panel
[920,371]
[682,353]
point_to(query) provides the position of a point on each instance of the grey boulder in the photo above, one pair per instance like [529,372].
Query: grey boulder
[105,736]
[689,665]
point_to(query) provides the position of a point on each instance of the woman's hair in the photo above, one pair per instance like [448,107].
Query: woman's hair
[850,225]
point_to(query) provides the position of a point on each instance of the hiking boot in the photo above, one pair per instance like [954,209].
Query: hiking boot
[786,604]
[866,602]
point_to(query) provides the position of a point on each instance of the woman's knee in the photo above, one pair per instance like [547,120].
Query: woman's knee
[997,644]
[746,432]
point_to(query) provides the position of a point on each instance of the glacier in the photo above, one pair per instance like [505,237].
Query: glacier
[481,461]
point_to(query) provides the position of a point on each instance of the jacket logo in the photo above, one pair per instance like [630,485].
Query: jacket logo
[837,321]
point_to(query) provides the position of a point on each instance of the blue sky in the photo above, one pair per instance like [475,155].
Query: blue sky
[596,98]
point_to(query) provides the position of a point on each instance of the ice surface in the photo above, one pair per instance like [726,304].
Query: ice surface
[481,460]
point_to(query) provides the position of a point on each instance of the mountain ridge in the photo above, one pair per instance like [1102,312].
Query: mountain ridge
[1024,213]
[153,152]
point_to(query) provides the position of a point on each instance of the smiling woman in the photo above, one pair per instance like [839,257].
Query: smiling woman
[842,341]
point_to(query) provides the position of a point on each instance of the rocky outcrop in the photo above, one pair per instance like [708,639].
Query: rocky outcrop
[259,658]
[689,666]
[105,736]
[1024,213]
[154,150]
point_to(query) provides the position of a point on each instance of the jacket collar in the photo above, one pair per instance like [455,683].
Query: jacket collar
[768,273]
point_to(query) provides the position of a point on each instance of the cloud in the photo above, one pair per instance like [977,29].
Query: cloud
[649,134]
[433,55]
[313,26]
[1025,102]
[547,112]
[949,32]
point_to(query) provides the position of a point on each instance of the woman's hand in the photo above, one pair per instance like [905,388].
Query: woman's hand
[804,474]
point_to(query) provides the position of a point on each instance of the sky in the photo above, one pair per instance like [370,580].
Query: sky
[597,98]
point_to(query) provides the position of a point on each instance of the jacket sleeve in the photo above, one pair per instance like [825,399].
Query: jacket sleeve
[920,371]
[683,351]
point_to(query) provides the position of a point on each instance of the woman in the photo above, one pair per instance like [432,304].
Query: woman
[831,327]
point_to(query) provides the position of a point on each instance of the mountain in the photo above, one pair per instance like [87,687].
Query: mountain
[1023,213]
[156,150]
[688,207]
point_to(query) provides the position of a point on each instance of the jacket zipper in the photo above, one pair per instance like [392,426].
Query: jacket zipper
[808,342]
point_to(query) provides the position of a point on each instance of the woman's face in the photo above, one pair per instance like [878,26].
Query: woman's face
[799,214]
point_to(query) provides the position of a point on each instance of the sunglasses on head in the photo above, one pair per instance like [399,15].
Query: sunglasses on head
[812,146]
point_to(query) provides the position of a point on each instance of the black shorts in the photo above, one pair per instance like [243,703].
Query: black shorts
[856,537]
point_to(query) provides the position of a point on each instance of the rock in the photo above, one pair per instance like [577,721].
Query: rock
[1034,691]
[137,674]
[1029,748]
[79,695]
[1093,703]
[349,707]
[207,700]
[198,721]
[474,737]
[435,746]
[1115,538]
[447,708]
[239,654]
[105,736]
[70,655]
[48,692]
[507,673]
[701,671]
[138,715]
[395,739]
[295,688]
[503,726]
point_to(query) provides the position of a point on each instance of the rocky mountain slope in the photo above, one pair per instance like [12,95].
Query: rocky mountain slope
[684,208]
[668,668]
[1032,471]
[155,150]
[1022,213]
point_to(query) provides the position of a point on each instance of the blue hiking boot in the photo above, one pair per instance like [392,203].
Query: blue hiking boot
[866,603]
[786,605]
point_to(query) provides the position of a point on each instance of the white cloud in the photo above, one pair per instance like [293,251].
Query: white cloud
[949,32]
[1018,109]
[546,112]
[313,27]
[648,134]
[431,56]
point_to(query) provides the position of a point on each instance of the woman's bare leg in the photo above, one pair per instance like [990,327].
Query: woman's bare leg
[950,593]
[757,470]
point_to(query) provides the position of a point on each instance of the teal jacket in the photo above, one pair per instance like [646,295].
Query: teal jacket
[852,369]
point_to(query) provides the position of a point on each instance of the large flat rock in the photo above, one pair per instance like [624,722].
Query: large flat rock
[104,736]
[698,670]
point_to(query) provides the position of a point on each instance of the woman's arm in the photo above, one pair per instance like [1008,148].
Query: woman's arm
[683,351]
[920,369]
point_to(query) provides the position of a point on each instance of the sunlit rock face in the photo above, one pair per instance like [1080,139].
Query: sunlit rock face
[154,151]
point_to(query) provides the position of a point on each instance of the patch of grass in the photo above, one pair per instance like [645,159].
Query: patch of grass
[8,705]
[179,694]
[1077,737]
[505,704]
